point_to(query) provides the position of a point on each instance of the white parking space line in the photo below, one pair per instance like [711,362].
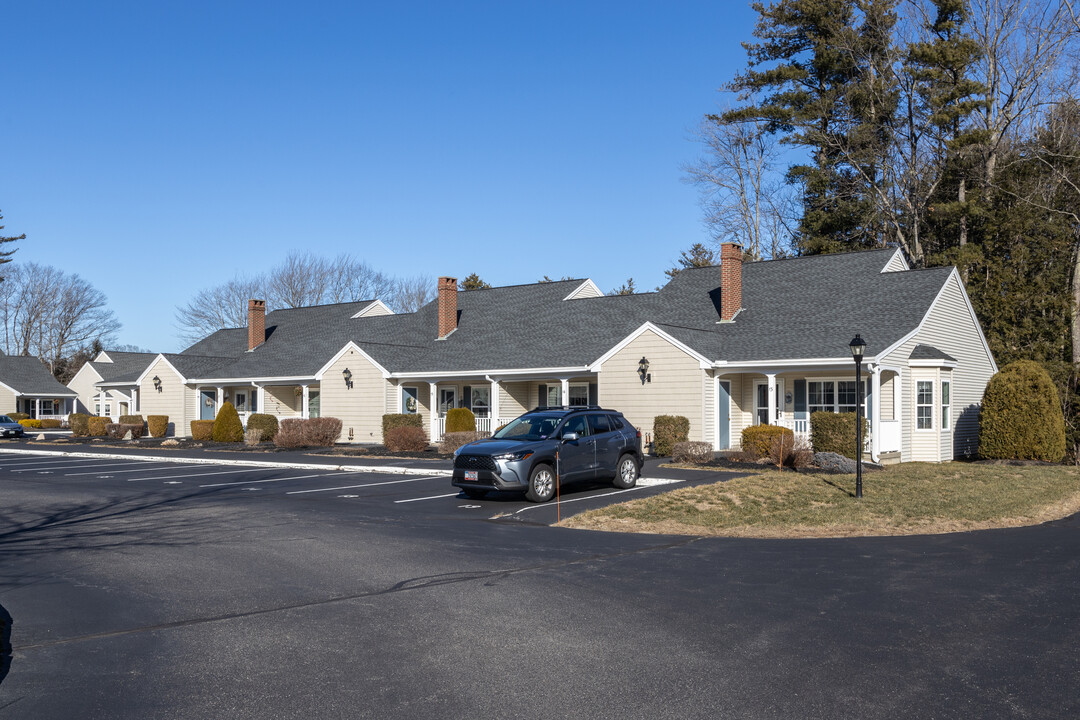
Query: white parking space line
[350,487]
[80,467]
[270,480]
[431,497]
[579,499]
[117,472]
[222,472]
[19,462]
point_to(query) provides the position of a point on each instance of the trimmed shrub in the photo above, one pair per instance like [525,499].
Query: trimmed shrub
[227,425]
[17,416]
[451,441]
[692,453]
[158,425]
[30,424]
[96,426]
[406,438]
[202,430]
[290,433]
[80,424]
[131,419]
[1021,416]
[758,439]
[51,423]
[460,420]
[268,424]
[669,430]
[117,431]
[395,420]
[320,431]
[835,432]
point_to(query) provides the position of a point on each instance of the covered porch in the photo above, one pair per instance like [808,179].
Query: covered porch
[294,400]
[40,407]
[788,396]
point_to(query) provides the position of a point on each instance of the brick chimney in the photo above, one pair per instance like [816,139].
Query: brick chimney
[447,306]
[256,323]
[730,280]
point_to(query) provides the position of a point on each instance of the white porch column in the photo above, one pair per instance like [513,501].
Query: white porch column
[135,401]
[37,408]
[494,404]
[260,393]
[565,391]
[433,404]
[220,399]
[304,409]
[772,397]
[875,412]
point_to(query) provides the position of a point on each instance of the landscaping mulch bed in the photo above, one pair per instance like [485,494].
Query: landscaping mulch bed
[375,452]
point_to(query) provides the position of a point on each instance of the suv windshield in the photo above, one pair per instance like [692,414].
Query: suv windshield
[529,427]
[5,418]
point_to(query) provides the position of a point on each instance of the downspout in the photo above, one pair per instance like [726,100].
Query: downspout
[875,414]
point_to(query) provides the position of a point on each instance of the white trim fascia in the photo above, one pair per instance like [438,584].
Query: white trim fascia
[587,284]
[351,346]
[368,308]
[116,384]
[757,365]
[139,380]
[10,389]
[44,396]
[903,260]
[954,275]
[551,371]
[933,362]
[648,326]
[85,367]
[249,380]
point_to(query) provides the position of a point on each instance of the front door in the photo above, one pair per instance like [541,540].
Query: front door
[723,415]
[761,403]
[207,404]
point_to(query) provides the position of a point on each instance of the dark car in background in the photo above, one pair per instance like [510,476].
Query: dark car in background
[548,447]
[10,428]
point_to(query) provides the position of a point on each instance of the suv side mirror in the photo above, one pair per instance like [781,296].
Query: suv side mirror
[567,437]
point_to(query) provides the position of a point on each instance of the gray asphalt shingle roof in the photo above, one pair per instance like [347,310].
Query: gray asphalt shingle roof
[929,352]
[125,366]
[28,376]
[797,308]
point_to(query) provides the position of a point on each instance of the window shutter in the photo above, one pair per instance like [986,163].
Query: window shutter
[541,398]
[800,400]
[594,394]
[468,397]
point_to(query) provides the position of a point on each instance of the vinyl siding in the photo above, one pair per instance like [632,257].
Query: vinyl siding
[888,379]
[513,399]
[895,264]
[7,401]
[586,290]
[83,384]
[282,401]
[949,327]
[170,401]
[359,408]
[740,417]
[925,444]
[677,388]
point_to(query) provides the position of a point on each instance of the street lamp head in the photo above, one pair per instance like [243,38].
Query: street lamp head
[858,345]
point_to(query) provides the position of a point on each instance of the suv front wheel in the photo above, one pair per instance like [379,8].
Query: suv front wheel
[541,484]
[626,472]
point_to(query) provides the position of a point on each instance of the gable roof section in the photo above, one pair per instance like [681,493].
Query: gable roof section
[929,352]
[25,375]
[123,367]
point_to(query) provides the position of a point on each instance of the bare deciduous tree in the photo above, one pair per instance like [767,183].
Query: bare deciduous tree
[413,293]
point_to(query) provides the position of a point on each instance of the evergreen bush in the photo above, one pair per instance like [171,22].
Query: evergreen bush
[758,439]
[96,426]
[835,432]
[30,424]
[667,431]
[80,424]
[202,430]
[264,422]
[460,420]
[158,425]
[17,416]
[1021,417]
[130,419]
[51,423]
[227,426]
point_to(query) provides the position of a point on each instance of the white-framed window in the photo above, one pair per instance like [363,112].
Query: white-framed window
[550,395]
[924,405]
[241,401]
[480,400]
[97,409]
[579,394]
[762,398]
[946,402]
[47,407]
[314,404]
[108,410]
[821,396]
[410,400]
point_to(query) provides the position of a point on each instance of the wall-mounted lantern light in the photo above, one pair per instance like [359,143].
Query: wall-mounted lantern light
[157,383]
[347,374]
[643,371]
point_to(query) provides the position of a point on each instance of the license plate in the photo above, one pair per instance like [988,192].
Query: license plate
[472,476]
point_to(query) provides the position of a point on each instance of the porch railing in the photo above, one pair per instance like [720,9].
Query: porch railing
[483,424]
[889,440]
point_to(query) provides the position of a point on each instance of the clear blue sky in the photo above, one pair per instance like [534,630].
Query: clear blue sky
[159,147]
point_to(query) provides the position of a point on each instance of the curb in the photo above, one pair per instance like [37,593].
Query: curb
[390,470]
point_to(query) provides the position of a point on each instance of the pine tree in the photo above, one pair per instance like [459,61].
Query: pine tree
[697,256]
[5,256]
[473,282]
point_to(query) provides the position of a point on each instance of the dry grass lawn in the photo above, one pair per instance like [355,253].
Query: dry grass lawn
[908,499]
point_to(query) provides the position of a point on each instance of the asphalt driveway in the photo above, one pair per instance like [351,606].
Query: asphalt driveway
[133,598]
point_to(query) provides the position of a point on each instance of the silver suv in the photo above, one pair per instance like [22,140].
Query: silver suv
[551,446]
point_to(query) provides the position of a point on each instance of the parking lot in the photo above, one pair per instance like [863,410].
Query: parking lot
[394,489]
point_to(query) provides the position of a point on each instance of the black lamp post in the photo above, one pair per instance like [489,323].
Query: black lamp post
[857,346]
